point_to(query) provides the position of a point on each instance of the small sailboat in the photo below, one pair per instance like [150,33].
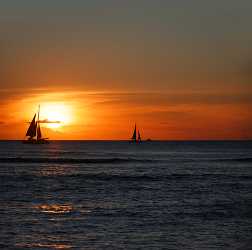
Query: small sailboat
[136,137]
[33,134]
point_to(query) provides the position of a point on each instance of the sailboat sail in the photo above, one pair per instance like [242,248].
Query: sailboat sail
[139,137]
[32,128]
[38,126]
[39,136]
[134,134]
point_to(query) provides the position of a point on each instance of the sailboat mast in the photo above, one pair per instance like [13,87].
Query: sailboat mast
[38,112]
[38,126]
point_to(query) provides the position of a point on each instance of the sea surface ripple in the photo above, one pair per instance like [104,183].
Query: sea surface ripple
[121,195]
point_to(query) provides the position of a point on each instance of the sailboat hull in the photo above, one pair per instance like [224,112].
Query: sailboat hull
[135,141]
[41,141]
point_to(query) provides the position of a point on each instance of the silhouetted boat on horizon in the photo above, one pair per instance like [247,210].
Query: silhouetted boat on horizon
[136,137]
[33,134]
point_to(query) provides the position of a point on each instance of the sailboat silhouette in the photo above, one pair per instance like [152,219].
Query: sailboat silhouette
[33,134]
[139,137]
[136,137]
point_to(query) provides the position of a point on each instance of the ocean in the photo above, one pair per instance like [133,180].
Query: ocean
[121,195]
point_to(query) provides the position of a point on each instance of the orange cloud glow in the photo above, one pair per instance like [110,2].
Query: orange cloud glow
[111,115]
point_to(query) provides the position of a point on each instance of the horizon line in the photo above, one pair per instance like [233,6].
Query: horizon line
[152,140]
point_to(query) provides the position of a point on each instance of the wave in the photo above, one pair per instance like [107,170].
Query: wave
[239,159]
[127,177]
[245,159]
[114,160]
[71,160]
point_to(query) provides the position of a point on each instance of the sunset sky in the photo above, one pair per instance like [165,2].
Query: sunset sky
[179,69]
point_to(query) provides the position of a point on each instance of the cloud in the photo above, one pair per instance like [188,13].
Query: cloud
[170,99]
[14,94]
[48,121]
[129,100]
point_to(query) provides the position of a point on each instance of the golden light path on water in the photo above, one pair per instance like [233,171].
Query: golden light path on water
[58,209]
[55,171]
[44,245]
[55,211]
[54,208]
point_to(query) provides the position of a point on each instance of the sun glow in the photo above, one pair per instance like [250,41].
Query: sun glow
[55,115]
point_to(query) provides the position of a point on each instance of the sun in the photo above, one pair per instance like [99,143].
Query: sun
[55,115]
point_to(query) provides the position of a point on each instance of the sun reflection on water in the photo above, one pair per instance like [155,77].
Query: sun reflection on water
[55,171]
[55,212]
[44,245]
[54,208]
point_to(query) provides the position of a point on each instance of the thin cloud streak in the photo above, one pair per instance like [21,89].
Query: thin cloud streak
[48,121]
[106,98]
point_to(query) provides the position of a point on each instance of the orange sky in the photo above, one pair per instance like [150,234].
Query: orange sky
[111,115]
[179,69]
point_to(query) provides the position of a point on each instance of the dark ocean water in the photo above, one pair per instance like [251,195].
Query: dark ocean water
[117,195]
